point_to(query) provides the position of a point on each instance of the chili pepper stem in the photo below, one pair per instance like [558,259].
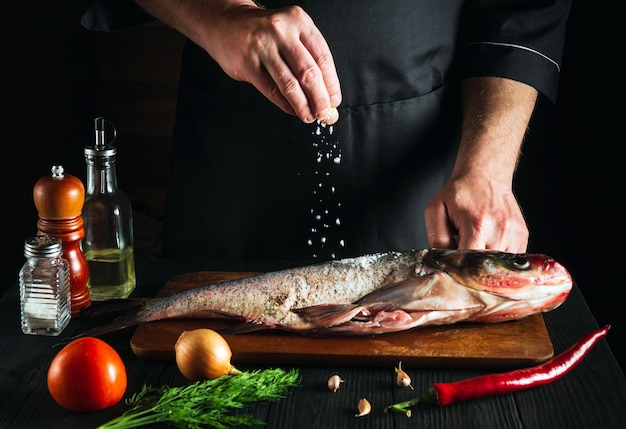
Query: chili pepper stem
[429,397]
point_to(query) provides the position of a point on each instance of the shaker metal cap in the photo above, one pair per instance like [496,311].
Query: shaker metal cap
[43,246]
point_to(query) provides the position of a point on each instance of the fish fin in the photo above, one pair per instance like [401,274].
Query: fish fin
[328,315]
[243,328]
[396,295]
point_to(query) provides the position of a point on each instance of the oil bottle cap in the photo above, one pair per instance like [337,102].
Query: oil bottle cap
[102,147]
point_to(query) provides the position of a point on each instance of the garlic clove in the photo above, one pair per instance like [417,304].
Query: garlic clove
[403,378]
[334,383]
[364,407]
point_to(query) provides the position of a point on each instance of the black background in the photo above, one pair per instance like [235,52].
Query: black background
[570,180]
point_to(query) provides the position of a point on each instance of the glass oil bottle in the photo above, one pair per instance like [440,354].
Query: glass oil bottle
[108,244]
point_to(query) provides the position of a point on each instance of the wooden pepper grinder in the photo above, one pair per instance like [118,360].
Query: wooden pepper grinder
[59,199]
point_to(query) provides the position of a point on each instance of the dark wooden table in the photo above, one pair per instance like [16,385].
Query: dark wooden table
[593,395]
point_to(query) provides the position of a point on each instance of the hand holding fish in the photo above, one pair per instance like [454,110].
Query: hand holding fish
[483,217]
[478,203]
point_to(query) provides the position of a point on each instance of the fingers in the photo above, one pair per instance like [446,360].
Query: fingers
[442,236]
[315,43]
[302,71]
[478,227]
[333,116]
[267,86]
[504,236]
[282,54]
[438,228]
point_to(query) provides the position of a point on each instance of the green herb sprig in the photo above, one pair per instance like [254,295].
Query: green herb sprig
[206,403]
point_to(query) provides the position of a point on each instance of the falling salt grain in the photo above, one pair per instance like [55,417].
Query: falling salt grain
[327,154]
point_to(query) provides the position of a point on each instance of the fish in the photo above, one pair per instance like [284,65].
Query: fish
[366,295]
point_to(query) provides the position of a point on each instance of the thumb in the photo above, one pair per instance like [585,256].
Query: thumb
[439,229]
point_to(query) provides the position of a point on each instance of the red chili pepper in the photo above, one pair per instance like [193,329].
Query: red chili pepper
[442,394]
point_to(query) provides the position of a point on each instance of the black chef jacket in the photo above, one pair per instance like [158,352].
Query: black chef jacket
[249,182]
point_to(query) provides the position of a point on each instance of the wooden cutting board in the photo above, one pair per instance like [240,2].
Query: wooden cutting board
[501,345]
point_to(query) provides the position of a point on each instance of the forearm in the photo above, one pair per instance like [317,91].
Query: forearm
[496,113]
[195,19]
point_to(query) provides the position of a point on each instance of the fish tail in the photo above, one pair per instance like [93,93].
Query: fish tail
[111,308]
[132,315]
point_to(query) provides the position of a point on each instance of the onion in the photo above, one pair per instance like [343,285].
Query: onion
[203,354]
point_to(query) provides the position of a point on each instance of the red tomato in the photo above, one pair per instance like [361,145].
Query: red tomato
[87,375]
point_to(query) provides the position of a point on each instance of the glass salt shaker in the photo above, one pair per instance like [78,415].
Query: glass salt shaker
[108,244]
[44,282]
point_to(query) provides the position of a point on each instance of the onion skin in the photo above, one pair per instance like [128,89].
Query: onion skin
[203,354]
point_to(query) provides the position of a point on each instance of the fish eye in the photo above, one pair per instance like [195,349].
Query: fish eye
[520,263]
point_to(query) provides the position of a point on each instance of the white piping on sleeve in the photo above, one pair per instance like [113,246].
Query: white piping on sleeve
[526,48]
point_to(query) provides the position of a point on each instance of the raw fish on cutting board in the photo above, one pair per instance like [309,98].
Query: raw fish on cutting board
[512,344]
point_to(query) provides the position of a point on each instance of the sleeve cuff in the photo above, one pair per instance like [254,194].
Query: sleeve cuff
[514,62]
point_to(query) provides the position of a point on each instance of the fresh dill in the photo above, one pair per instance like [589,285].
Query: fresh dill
[207,403]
